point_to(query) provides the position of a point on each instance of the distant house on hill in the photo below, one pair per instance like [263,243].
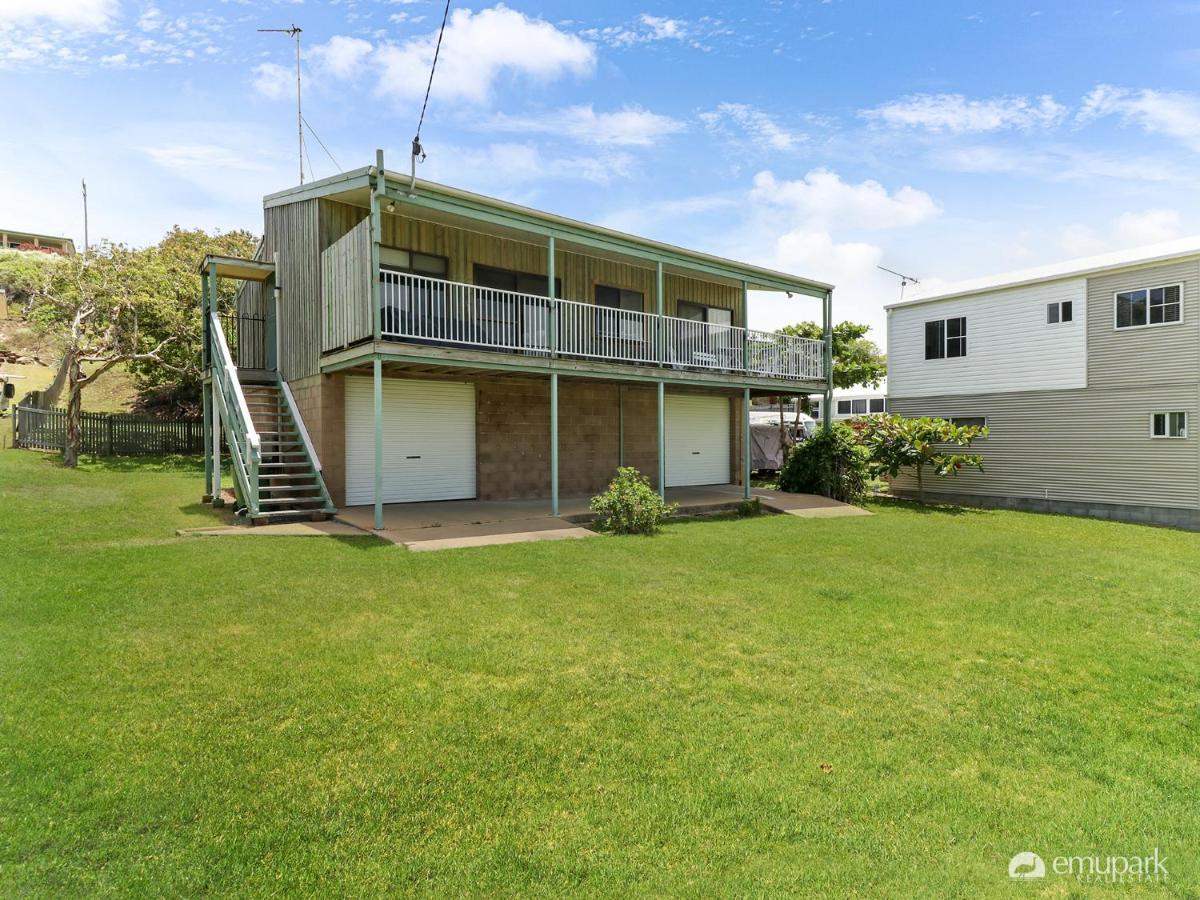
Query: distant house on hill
[28,240]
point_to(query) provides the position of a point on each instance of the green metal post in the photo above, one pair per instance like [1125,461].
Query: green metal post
[827,403]
[206,396]
[376,238]
[661,338]
[554,443]
[746,443]
[662,441]
[378,373]
[552,323]
[745,326]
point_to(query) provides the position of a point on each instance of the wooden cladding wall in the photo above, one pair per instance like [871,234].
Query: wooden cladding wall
[579,273]
[346,287]
[292,232]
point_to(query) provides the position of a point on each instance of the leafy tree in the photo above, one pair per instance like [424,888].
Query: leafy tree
[831,463]
[100,305]
[172,273]
[25,275]
[894,443]
[856,358]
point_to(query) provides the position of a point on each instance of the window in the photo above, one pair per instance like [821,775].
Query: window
[815,409]
[969,421]
[704,346]
[412,307]
[1168,425]
[698,312]
[518,282]
[878,404]
[1058,313]
[616,324]
[843,407]
[946,338]
[859,407]
[1149,306]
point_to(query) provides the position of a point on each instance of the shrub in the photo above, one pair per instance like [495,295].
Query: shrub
[630,505]
[894,443]
[749,508]
[830,463]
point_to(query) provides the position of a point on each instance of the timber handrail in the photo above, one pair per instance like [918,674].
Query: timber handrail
[245,446]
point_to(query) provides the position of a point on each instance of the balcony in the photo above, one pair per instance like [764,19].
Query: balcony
[453,314]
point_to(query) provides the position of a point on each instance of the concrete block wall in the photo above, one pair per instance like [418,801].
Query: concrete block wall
[512,441]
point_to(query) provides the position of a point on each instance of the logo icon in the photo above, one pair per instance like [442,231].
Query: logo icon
[1026,864]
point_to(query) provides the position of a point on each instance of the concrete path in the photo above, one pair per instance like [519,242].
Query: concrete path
[807,506]
[279,529]
[483,534]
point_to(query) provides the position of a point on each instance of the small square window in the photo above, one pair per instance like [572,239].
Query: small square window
[1067,311]
[1169,425]
[878,404]
[859,407]
[1052,313]
[843,407]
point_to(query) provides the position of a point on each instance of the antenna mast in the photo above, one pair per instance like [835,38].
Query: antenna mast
[294,33]
[905,280]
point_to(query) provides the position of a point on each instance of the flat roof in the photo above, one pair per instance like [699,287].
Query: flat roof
[16,232]
[1072,268]
[357,178]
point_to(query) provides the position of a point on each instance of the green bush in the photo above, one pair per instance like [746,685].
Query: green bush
[630,505]
[831,463]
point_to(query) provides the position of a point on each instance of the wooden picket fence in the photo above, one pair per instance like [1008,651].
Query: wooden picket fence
[107,434]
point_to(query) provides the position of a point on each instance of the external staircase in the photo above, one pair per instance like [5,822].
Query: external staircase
[277,473]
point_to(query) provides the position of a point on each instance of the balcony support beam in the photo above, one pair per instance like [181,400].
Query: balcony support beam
[746,443]
[827,333]
[662,441]
[377,198]
[554,443]
[377,372]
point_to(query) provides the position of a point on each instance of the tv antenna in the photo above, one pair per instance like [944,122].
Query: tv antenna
[905,280]
[294,33]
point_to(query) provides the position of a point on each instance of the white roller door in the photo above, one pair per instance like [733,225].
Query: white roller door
[428,440]
[697,436]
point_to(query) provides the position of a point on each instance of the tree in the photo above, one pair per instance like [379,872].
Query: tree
[97,303]
[174,381]
[856,359]
[895,443]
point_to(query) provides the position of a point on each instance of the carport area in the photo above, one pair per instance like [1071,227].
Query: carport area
[444,524]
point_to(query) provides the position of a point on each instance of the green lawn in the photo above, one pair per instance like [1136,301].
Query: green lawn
[890,707]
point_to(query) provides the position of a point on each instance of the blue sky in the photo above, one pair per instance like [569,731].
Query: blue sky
[946,140]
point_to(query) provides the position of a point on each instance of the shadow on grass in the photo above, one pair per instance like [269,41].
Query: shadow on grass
[164,463]
[925,509]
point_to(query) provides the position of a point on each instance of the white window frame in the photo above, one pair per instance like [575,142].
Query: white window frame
[951,419]
[1058,305]
[1149,324]
[946,339]
[1167,436]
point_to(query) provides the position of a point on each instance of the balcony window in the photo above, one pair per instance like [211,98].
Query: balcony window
[618,324]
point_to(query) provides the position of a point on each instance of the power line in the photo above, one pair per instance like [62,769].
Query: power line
[417,150]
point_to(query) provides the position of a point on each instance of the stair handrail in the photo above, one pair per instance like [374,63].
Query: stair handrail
[244,444]
[299,420]
[290,399]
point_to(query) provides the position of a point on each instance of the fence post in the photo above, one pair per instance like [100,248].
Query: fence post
[109,424]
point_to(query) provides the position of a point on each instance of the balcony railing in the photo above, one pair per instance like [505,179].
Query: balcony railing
[432,311]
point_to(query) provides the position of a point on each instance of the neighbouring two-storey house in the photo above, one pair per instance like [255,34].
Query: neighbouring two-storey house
[1086,373]
[399,341]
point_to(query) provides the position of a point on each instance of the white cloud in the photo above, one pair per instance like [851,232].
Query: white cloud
[660,28]
[1131,229]
[630,126]
[184,157]
[742,120]
[1175,114]
[957,114]
[822,198]
[502,168]
[83,14]
[273,80]
[1055,163]
[1150,227]
[117,60]
[477,50]
[341,56]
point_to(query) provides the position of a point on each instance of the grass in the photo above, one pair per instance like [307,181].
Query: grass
[890,706]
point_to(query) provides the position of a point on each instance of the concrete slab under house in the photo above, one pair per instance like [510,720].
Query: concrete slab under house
[400,342]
